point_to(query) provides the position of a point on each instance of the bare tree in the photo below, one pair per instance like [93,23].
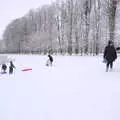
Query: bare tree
[69,26]
[112,5]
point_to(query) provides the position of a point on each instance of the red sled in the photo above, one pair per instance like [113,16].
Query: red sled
[28,69]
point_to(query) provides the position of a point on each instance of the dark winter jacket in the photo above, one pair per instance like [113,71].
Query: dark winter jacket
[11,64]
[110,53]
[50,58]
[11,67]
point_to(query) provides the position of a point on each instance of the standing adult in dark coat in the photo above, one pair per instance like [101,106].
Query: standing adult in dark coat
[110,55]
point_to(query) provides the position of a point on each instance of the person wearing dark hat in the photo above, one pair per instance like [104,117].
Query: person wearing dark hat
[110,55]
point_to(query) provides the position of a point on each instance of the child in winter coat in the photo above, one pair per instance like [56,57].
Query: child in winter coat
[4,68]
[50,60]
[11,67]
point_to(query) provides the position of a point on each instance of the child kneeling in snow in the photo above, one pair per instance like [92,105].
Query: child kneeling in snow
[4,68]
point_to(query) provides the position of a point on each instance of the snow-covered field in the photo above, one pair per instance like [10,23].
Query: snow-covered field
[75,88]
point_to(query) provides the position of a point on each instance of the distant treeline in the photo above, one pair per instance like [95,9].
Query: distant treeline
[70,26]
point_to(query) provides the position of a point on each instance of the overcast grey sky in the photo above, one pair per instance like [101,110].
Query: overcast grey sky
[11,9]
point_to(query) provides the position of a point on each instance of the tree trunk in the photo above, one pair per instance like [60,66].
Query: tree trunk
[112,17]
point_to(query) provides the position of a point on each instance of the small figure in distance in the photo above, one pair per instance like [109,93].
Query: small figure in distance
[11,67]
[4,68]
[49,61]
[110,55]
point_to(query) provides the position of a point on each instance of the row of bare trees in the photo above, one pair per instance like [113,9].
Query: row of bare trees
[70,26]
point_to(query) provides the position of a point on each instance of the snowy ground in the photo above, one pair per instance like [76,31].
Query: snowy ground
[75,88]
